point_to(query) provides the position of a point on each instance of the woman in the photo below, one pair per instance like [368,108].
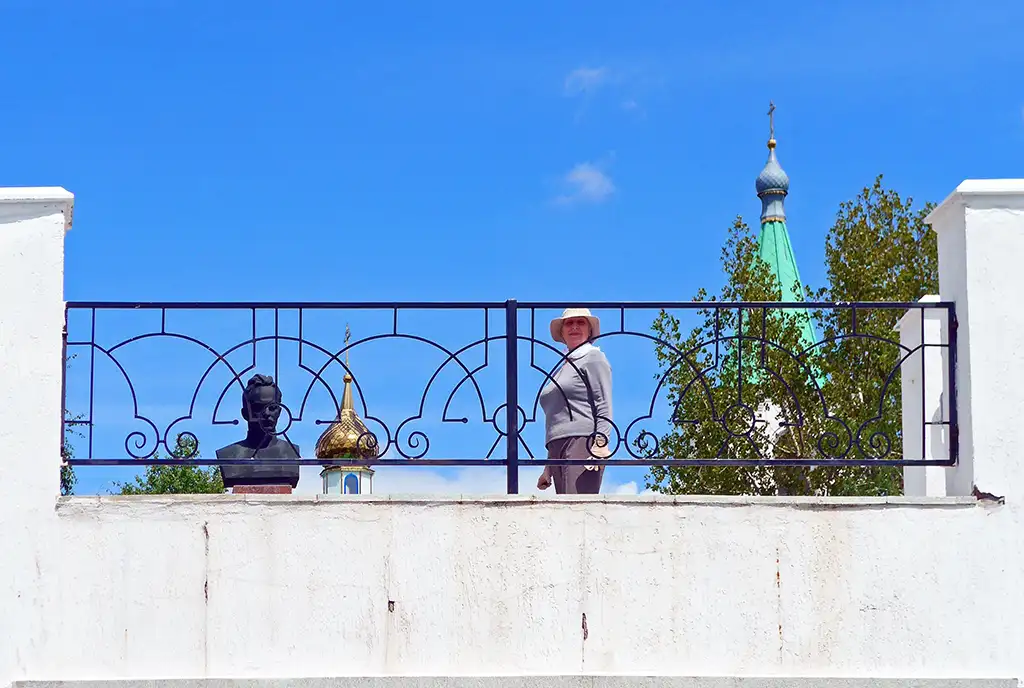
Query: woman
[585,381]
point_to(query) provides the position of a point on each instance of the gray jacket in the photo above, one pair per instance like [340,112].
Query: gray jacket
[585,381]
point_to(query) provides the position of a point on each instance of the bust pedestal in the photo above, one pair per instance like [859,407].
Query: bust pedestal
[261,489]
[260,478]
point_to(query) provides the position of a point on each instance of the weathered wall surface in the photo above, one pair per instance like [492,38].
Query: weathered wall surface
[229,586]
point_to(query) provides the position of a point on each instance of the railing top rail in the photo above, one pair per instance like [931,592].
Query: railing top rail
[738,304]
[525,305]
[334,305]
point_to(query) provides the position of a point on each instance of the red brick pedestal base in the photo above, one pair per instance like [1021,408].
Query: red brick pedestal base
[261,489]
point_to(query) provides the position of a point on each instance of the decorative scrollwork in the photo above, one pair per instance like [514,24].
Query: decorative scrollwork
[646,443]
[416,443]
[140,440]
[796,420]
[835,439]
[878,444]
[736,393]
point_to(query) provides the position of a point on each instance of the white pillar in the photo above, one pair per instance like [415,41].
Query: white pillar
[980,230]
[924,376]
[32,226]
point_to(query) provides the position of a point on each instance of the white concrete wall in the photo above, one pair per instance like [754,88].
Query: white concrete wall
[290,586]
[32,226]
[241,586]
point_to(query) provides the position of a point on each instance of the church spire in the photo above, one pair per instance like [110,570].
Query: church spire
[773,183]
[347,438]
[775,247]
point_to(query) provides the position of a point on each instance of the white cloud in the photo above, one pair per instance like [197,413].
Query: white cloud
[471,480]
[586,183]
[633,109]
[589,84]
[585,80]
[630,488]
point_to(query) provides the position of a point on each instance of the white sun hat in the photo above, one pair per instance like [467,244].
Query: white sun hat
[556,324]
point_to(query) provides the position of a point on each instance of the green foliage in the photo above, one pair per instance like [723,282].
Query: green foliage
[717,382]
[68,479]
[176,479]
[879,249]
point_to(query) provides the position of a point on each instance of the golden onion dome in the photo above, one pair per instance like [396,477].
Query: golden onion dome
[347,437]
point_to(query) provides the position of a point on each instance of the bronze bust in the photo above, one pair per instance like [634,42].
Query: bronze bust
[261,409]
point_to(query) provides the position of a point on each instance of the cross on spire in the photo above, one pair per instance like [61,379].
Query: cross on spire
[771,119]
[348,336]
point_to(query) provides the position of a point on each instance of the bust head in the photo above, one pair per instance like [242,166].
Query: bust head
[261,409]
[261,404]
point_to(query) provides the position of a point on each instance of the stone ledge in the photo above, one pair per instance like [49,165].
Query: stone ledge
[35,194]
[813,503]
[536,682]
[196,506]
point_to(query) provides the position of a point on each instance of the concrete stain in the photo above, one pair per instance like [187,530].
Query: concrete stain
[206,594]
[778,595]
[206,570]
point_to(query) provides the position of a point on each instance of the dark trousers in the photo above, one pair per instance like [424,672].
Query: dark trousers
[574,479]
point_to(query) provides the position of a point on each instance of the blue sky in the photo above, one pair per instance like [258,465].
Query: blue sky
[454,150]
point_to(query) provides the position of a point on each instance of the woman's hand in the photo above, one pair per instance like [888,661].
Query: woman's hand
[599,450]
[544,481]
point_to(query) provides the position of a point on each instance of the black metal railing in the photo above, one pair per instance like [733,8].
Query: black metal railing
[732,376]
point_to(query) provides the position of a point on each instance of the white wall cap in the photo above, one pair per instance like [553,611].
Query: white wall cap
[32,195]
[981,190]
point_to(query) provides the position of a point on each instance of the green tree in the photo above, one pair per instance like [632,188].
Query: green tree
[879,249]
[718,385]
[176,479]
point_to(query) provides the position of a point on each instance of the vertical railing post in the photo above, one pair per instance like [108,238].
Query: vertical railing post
[512,396]
[954,419]
[64,384]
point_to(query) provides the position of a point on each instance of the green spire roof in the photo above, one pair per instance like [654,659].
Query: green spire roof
[777,251]
[775,247]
